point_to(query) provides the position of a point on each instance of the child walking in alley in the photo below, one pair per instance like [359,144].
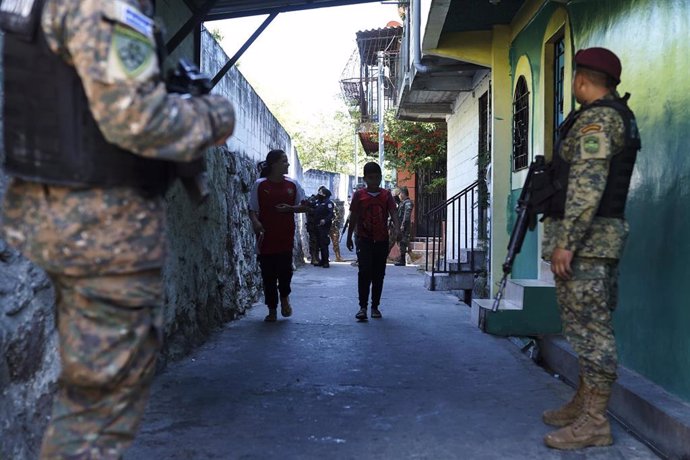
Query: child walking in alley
[274,198]
[369,212]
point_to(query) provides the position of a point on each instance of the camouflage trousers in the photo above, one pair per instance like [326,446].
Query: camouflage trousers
[335,239]
[587,302]
[110,333]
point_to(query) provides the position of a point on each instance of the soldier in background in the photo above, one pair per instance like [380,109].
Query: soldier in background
[405,208]
[584,234]
[323,216]
[86,199]
[312,229]
[338,221]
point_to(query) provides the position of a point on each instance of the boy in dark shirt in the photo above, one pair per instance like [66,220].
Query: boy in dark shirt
[369,212]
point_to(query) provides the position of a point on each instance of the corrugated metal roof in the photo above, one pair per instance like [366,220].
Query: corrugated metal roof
[370,42]
[227,9]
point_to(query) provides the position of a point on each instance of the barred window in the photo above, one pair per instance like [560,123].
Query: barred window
[520,125]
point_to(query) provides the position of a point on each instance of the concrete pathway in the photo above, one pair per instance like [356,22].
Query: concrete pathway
[421,383]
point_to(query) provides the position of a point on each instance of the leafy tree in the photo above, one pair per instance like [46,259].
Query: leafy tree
[415,145]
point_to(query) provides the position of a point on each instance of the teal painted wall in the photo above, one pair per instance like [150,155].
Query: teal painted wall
[528,43]
[653,318]
[651,38]
[526,263]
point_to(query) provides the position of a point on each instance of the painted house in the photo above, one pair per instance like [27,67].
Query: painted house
[499,72]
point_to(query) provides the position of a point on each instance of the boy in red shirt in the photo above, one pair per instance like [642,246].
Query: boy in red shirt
[369,212]
[273,200]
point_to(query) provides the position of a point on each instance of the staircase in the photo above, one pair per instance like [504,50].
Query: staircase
[453,252]
[528,308]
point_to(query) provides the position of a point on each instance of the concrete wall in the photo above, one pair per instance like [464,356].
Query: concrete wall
[211,274]
[463,151]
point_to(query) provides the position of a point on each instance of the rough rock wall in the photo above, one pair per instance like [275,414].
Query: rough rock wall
[28,348]
[211,275]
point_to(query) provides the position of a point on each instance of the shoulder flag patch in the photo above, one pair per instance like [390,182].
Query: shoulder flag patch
[124,13]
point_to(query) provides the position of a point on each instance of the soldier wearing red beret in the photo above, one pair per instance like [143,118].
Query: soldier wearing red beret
[584,234]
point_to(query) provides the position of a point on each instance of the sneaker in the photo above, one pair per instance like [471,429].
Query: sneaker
[325,264]
[399,264]
[375,313]
[285,308]
[361,314]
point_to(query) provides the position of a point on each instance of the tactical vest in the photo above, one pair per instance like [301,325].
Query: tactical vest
[613,200]
[51,136]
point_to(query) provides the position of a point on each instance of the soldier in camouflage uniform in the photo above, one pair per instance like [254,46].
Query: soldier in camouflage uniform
[98,232]
[405,217]
[585,231]
[338,213]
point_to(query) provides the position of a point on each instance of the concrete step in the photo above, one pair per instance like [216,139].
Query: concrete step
[448,281]
[528,308]
[517,289]
[466,263]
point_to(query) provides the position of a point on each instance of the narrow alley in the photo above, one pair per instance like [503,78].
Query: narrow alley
[421,383]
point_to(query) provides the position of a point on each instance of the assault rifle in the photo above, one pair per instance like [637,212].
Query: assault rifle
[186,79]
[526,218]
[345,225]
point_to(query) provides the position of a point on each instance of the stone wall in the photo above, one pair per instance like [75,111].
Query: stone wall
[211,275]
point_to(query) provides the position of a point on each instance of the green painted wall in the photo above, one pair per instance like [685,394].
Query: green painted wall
[651,38]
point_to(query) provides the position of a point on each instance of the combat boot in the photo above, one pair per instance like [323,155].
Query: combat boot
[569,412]
[591,428]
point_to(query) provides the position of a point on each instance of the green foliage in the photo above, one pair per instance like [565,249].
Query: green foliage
[436,185]
[326,143]
[215,33]
[415,146]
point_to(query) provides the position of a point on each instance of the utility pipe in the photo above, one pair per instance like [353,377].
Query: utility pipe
[415,35]
[380,108]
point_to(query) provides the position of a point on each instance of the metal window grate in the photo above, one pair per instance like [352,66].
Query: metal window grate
[558,90]
[521,125]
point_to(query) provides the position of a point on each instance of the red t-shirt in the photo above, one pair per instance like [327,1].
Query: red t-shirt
[279,227]
[372,209]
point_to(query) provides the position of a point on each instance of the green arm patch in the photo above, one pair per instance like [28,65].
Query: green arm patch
[131,53]
[594,147]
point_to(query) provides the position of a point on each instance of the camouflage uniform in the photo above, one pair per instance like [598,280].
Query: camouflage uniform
[104,247]
[338,213]
[405,217]
[588,299]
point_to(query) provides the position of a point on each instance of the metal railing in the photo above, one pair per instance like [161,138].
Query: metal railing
[453,227]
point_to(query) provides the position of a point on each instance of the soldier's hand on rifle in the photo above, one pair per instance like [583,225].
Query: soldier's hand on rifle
[560,263]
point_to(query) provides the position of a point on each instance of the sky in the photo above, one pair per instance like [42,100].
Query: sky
[298,60]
